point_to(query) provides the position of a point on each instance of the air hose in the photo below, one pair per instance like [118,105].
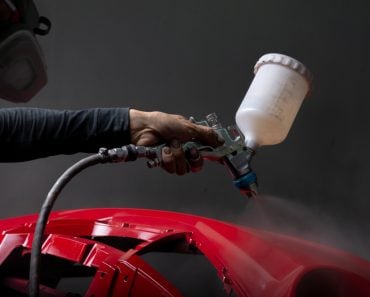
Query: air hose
[123,154]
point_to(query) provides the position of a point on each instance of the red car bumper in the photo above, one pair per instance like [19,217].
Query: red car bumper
[109,244]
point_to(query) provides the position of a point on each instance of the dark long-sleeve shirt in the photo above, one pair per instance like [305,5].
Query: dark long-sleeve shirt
[30,133]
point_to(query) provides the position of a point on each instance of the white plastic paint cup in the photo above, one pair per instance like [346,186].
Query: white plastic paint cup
[272,100]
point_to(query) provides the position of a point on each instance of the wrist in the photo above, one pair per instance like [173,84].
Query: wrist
[139,121]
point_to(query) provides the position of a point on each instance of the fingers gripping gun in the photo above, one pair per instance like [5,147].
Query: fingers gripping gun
[233,154]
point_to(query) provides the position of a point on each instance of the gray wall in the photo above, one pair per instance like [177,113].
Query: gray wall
[196,57]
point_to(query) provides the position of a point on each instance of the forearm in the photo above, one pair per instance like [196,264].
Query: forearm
[30,133]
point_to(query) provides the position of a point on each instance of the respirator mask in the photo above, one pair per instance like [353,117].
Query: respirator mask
[22,63]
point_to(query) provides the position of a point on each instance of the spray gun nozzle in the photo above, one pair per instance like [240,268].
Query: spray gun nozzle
[247,184]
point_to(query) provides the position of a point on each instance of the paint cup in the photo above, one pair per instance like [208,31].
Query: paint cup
[273,99]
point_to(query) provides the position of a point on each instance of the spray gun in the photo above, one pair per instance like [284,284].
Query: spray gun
[264,118]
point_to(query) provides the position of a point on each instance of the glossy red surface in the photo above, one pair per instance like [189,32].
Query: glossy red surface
[107,244]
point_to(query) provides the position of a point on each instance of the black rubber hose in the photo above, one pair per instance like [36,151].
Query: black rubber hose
[45,212]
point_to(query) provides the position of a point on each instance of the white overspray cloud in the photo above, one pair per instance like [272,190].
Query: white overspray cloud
[289,217]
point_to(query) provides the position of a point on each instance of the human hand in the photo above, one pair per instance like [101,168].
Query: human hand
[153,128]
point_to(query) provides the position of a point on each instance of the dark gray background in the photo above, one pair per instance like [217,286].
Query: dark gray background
[195,57]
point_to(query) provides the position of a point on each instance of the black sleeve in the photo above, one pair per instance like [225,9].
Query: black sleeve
[30,133]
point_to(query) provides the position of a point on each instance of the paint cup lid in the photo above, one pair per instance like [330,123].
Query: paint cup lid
[274,58]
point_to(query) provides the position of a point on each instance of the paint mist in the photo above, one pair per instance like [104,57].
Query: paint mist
[288,217]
